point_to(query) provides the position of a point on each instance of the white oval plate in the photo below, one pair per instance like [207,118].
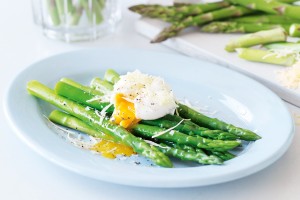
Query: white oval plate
[230,95]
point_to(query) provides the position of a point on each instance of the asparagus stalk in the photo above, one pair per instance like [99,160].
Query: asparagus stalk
[283,45]
[214,123]
[70,6]
[101,3]
[99,123]
[266,19]
[238,27]
[175,28]
[191,130]
[60,7]
[82,87]
[177,137]
[101,85]
[97,12]
[294,30]
[111,76]
[287,1]
[201,158]
[76,15]
[224,155]
[261,37]
[264,56]
[53,11]
[69,121]
[173,13]
[92,12]
[193,150]
[177,119]
[271,7]
[81,96]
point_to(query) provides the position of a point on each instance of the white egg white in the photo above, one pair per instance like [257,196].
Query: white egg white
[151,96]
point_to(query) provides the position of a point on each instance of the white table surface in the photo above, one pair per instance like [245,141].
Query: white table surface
[26,175]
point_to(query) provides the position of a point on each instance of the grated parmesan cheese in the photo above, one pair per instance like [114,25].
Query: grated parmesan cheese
[290,76]
[296,118]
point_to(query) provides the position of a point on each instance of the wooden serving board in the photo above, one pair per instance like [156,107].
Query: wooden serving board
[210,47]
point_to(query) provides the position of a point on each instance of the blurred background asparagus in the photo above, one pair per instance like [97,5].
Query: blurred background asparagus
[254,17]
[70,12]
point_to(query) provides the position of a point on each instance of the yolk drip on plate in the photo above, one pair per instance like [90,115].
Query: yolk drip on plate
[111,149]
[124,113]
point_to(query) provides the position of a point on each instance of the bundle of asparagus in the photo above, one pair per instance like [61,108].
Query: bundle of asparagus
[69,12]
[201,139]
[269,21]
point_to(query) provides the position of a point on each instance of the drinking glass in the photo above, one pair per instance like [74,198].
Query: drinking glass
[76,20]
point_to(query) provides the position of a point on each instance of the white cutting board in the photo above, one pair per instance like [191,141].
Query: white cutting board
[210,47]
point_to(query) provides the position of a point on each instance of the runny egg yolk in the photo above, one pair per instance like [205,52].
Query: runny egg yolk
[124,113]
[111,149]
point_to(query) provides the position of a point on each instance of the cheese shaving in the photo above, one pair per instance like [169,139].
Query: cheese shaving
[278,53]
[96,98]
[167,130]
[103,111]
[155,144]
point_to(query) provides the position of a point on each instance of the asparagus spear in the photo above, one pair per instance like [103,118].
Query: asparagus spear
[261,37]
[81,96]
[271,6]
[77,15]
[173,13]
[214,123]
[224,155]
[191,130]
[238,27]
[82,87]
[175,28]
[97,12]
[294,30]
[177,137]
[201,158]
[284,45]
[93,12]
[101,85]
[99,123]
[111,76]
[53,11]
[60,8]
[177,119]
[266,19]
[264,56]
[193,150]
[69,121]
[287,1]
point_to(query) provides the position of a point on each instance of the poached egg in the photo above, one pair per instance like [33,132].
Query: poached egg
[138,96]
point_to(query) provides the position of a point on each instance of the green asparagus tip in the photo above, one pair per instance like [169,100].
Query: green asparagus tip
[134,8]
[30,85]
